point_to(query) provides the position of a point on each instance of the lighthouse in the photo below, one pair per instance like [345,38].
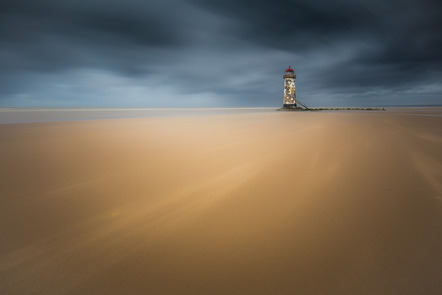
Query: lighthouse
[289,100]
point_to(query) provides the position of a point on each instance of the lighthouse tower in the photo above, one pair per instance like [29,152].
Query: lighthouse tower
[289,89]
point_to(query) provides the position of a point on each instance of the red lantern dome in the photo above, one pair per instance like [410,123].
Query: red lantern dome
[289,69]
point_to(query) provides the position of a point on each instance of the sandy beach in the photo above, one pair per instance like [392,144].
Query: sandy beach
[274,203]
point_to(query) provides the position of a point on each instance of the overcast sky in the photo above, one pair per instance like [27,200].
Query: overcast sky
[220,53]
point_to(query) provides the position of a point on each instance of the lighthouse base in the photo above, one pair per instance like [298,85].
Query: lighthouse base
[295,106]
[290,106]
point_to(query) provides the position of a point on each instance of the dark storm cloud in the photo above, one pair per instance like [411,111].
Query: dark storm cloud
[86,20]
[289,25]
[53,34]
[402,38]
[405,30]
[230,51]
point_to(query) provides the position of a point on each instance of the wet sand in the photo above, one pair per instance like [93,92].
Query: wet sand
[274,203]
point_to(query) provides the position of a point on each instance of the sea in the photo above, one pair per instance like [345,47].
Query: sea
[32,115]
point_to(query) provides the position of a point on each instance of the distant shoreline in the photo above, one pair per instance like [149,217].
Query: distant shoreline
[199,108]
[35,115]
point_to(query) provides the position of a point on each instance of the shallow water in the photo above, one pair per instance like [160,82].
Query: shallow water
[30,115]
